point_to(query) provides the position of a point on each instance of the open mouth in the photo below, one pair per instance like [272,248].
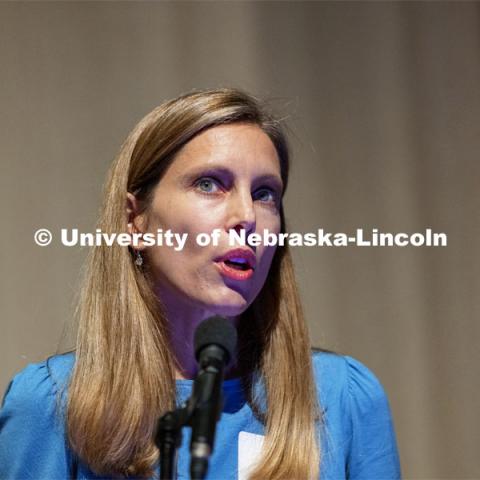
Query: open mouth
[238,264]
[235,270]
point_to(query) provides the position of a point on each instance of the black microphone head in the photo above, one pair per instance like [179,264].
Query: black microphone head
[215,331]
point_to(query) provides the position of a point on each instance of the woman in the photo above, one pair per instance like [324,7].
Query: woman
[204,161]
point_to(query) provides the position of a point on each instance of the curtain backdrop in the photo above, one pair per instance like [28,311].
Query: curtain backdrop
[383,102]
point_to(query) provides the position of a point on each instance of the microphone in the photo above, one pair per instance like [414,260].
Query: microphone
[215,342]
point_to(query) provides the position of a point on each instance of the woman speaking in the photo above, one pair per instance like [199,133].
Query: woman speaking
[207,161]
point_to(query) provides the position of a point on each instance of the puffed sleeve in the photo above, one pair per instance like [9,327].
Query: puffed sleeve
[32,439]
[373,451]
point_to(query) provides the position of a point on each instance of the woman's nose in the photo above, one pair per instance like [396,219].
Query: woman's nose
[242,214]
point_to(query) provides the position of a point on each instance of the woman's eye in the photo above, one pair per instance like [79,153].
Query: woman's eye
[207,185]
[266,195]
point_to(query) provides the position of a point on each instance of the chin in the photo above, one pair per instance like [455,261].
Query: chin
[232,305]
[230,310]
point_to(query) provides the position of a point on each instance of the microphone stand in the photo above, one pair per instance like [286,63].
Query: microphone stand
[168,439]
[215,341]
[168,436]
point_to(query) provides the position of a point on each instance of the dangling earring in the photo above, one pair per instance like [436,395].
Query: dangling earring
[138,259]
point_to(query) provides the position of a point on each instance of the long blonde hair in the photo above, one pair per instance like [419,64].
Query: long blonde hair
[124,374]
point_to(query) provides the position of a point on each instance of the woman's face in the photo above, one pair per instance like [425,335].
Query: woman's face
[226,178]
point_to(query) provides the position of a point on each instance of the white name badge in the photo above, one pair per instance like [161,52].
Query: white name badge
[249,448]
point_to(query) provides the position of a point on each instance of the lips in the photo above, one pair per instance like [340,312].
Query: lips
[238,264]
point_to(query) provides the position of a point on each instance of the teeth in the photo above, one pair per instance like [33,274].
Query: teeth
[237,260]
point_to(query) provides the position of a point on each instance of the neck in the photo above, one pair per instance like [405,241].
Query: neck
[181,324]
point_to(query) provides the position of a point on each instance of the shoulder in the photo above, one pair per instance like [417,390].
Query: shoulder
[356,405]
[337,374]
[38,381]
[32,431]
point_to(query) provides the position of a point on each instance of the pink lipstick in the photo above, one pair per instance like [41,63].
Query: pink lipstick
[238,264]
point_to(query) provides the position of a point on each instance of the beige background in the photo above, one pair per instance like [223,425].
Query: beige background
[384,102]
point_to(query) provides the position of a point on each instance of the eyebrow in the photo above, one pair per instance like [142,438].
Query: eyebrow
[221,170]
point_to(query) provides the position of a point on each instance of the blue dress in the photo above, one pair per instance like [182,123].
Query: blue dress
[358,438]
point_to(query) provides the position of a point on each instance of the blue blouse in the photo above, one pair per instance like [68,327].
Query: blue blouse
[358,438]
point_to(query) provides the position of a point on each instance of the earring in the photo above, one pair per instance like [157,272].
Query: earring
[138,259]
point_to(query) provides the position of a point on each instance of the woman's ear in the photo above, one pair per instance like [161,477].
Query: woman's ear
[135,220]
